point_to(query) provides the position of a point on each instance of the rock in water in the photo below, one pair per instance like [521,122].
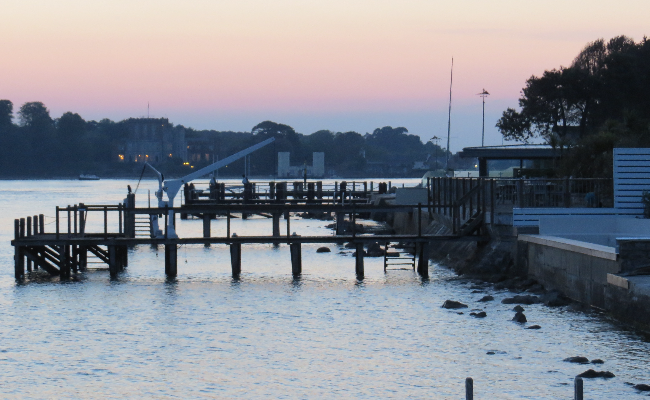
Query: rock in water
[555,299]
[642,387]
[375,250]
[323,250]
[519,317]
[597,361]
[534,327]
[518,309]
[481,314]
[596,374]
[486,298]
[577,360]
[526,299]
[451,304]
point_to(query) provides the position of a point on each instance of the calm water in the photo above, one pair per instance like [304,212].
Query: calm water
[267,335]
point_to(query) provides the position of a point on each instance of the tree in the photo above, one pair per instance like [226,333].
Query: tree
[70,127]
[34,115]
[6,114]
[604,81]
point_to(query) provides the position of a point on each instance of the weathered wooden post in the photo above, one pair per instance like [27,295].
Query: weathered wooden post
[83,258]
[271,190]
[206,227]
[419,219]
[171,261]
[28,226]
[19,256]
[227,223]
[296,258]
[339,223]
[68,209]
[469,389]
[120,210]
[288,217]
[57,222]
[276,224]
[105,223]
[578,389]
[423,259]
[311,191]
[41,223]
[359,260]
[113,262]
[319,190]
[22,227]
[35,219]
[75,210]
[64,264]
[235,259]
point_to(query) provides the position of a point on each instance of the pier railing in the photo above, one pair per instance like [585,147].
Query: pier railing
[482,195]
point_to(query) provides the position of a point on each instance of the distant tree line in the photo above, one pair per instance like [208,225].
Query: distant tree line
[601,101]
[33,144]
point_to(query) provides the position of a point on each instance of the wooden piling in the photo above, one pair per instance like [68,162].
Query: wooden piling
[206,227]
[423,259]
[578,389]
[41,224]
[82,254]
[469,389]
[19,261]
[57,222]
[64,263]
[69,220]
[22,227]
[113,260]
[296,258]
[28,226]
[171,260]
[35,221]
[359,260]
[276,224]
[235,259]
[339,223]
[75,212]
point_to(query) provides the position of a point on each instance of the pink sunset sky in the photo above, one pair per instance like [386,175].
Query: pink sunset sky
[338,65]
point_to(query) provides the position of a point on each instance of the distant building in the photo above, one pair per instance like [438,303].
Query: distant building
[152,140]
[286,170]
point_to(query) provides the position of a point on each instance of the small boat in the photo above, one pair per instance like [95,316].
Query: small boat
[88,177]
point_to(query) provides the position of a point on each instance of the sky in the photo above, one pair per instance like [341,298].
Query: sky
[337,64]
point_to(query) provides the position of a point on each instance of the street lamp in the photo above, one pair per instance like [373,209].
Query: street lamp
[483,95]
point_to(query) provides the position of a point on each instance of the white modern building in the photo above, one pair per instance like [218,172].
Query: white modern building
[286,170]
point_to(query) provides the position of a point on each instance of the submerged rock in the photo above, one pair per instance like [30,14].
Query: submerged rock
[486,298]
[451,304]
[519,317]
[518,308]
[642,387]
[596,374]
[555,299]
[597,361]
[323,250]
[525,299]
[481,314]
[534,327]
[577,360]
[375,250]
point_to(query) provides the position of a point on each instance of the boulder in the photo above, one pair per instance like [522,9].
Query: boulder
[486,298]
[477,291]
[323,250]
[525,299]
[451,304]
[642,387]
[519,317]
[597,361]
[518,308]
[555,299]
[596,374]
[577,360]
[481,314]
[375,250]
[534,327]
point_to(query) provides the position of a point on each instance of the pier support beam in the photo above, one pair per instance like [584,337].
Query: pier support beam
[359,260]
[340,218]
[64,265]
[83,258]
[19,259]
[235,259]
[171,260]
[206,227]
[296,259]
[113,260]
[423,259]
[276,224]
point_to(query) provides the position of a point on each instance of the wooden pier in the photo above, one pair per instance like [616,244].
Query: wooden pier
[65,251]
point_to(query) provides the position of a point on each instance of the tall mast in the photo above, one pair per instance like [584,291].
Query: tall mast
[451,81]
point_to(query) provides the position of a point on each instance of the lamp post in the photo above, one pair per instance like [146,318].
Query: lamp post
[483,95]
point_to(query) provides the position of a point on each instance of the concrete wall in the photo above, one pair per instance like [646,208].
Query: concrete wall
[598,229]
[283,164]
[318,165]
[577,269]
